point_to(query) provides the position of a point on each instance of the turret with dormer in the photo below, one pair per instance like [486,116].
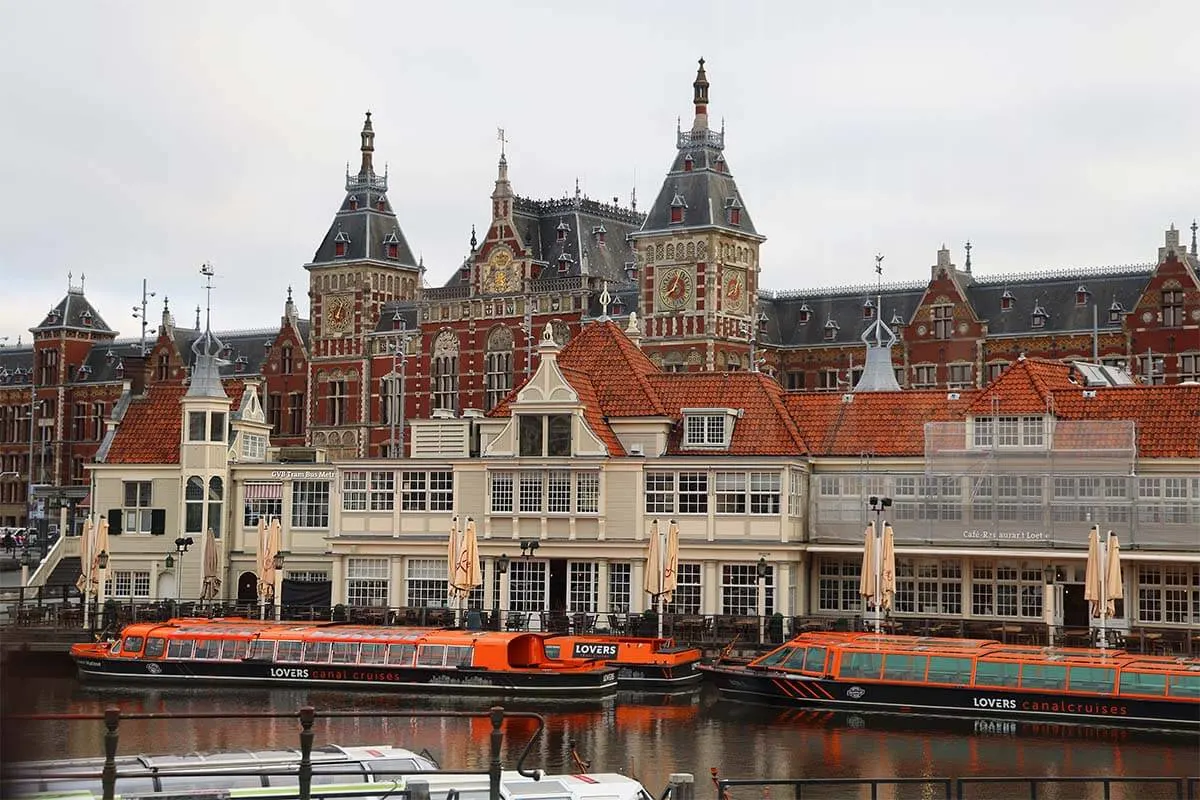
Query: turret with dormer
[699,255]
[205,436]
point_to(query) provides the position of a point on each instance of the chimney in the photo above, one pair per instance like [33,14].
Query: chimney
[137,369]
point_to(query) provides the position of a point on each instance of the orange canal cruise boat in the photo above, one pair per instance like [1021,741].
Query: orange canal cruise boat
[235,650]
[644,663]
[968,677]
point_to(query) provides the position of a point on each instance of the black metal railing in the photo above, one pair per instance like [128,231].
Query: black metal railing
[306,769]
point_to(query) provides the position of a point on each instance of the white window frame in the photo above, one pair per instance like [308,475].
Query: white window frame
[310,504]
[708,428]
[368,581]
[137,514]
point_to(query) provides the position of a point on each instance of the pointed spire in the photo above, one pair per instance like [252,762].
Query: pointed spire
[577,191]
[878,374]
[168,321]
[289,309]
[968,248]
[700,99]
[474,239]
[197,317]
[502,194]
[206,373]
[368,148]
[1194,226]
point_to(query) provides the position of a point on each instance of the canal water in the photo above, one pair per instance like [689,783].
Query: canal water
[648,737]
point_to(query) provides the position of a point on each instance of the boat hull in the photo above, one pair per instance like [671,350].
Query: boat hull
[460,680]
[788,689]
[643,664]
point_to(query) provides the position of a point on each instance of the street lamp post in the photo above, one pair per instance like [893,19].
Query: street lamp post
[878,504]
[277,562]
[501,571]
[761,570]
[400,357]
[182,544]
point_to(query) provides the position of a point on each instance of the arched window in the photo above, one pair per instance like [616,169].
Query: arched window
[216,493]
[499,374]
[444,371]
[194,500]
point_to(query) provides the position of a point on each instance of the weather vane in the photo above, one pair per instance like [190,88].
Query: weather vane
[500,137]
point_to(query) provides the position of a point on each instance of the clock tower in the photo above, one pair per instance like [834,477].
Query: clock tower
[698,256]
[363,262]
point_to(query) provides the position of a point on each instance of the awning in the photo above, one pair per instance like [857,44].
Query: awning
[264,491]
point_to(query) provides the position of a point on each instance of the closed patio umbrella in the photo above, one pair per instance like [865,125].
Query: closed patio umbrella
[267,566]
[84,582]
[670,579]
[1114,587]
[652,580]
[210,584]
[468,574]
[866,581]
[452,561]
[1092,591]
[887,571]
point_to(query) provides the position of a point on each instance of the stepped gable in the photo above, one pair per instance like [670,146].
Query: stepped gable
[1167,417]
[73,313]
[1025,387]
[1054,292]
[844,306]
[765,428]
[151,428]
[700,177]
[872,423]
[365,223]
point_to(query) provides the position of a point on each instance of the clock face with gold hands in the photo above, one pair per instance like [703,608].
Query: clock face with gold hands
[675,288]
[340,314]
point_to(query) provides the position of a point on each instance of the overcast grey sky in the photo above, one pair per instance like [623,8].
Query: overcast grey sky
[139,139]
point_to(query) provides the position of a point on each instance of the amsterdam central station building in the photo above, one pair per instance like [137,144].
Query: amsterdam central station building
[589,369]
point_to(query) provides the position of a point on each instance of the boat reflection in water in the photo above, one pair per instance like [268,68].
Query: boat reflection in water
[645,736]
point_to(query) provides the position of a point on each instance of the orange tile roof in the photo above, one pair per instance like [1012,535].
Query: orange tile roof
[765,428]
[878,423]
[1167,417]
[150,431]
[1025,387]
[618,367]
[585,387]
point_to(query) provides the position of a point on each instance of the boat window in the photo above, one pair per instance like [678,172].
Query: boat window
[431,655]
[796,658]
[172,783]
[948,669]
[179,648]
[1093,679]
[233,649]
[261,650]
[815,661]
[392,766]
[401,654]
[316,652]
[775,657]
[208,648]
[345,652]
[898,667]
[289,651]
[155,647]
[459,656]
[1043,676]
[372,654]
[116,647]
[133,643]
[1154,683]
[996,673]
[861,665]
[1184,686]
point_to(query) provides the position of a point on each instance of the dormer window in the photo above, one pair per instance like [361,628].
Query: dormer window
[1081,296]
[1114,312]
[708,428]
[340,244]
[381,203]
[677,207]
[599,231]
[53,315]
[563,229]
[868,309]
[564,263]
[464,274]
[110,357]
[805,313]
[391,246]
[86,318]
[720,162]
[688,163]
[897,319]
[1039,316]
[120,370]
[618,306]
[353,202]
[83,372]
[631,270]
[1007,300]
[398,323]
[239,365]
[831,330]
[733,208]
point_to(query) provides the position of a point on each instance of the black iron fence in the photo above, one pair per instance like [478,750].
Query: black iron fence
[109,775]
[974,788]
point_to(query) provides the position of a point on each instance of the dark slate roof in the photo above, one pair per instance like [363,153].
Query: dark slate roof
[16,365]
[1055,292]
[408,313]
[843,306]
[707,189]
[74,312]
[243,351]
[624,298]
[365,231]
